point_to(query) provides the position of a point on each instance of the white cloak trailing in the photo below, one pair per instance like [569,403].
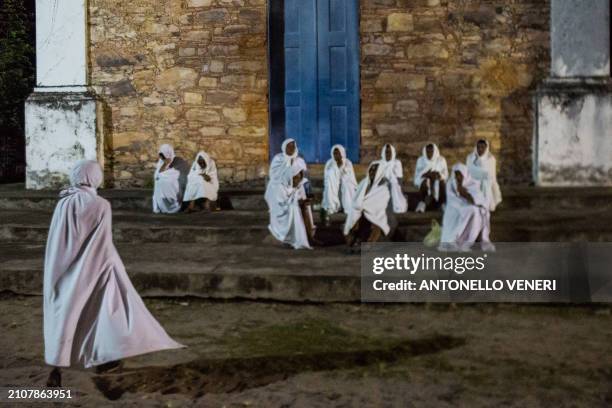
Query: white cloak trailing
[464,222]
[484,170]
[370,201]
[423,165]
[166,191]
[393,172]
[286,220]
[197,186]
[92,313]
[339,183]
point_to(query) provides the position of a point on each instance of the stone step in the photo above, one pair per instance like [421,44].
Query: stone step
[256,271]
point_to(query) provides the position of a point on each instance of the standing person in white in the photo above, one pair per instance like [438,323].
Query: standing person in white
[202,183]
[483,168]
[430,177]
[339,183]
[166,191]
[92,313]
[393,171]
[467,217]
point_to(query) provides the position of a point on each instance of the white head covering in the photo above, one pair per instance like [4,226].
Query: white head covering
[197,187]
[434,156]
[393,171]
[342,153]
[484,170]
[284,149]
[210,169]
[383,153]
[86,175]
[167,151]
[370,200]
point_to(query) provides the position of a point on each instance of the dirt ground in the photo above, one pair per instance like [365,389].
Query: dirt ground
[249,354]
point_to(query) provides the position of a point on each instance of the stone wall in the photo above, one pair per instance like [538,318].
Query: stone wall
[192,73]
[453,72]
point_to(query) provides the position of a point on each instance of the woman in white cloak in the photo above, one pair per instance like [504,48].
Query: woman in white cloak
[430,177]
[339,183]
[202,183]
[393,172]
[289,209]
[366,219]
[92,313]
[483,168]
[166,190]
[466,218]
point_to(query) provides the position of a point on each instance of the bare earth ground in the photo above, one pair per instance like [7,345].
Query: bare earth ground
[248,354]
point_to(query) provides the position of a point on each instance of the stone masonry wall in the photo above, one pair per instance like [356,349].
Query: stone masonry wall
[453,71]
[192,73]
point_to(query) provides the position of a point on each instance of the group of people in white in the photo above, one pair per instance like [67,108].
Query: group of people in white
[467,195]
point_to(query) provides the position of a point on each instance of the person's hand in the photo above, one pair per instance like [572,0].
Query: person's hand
[435,175]
[206,177]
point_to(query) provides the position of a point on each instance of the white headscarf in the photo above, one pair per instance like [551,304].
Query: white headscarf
[436,163]
[167,151]
[393,172]
[370,200]
[85,175]
[166,191]
[339,183]
[197,186]
[484,170]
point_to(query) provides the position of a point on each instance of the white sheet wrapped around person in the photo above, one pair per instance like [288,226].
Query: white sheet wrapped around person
[483,167]
[430,177]
[92,313]
[166,189]
[467,217]
[202,183]
[366,218]
[287,205]
[393,171]
[339,183]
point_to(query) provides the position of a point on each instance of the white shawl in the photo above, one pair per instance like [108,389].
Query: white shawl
[484,170]
[371,201]
[339,183]
[393,172]
[463,221]
[197,186]
[166,191]
[423,165]
[286,220]
[92,313]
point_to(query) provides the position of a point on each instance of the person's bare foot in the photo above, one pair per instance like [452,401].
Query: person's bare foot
[55,378]
[108,367]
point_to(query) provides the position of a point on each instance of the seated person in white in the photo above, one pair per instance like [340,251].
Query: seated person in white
[166,191]
[202,184]
[430,178]
[366,219]
[290,216]
[393,171]
[483,168]
[339,182]
[466,218]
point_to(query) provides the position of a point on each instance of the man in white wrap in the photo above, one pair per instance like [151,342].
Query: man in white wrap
[393,171]
[467,217]
[430,177]
[483,168]
[202,183]
[166,190]
[92,313]
[339,183]
[366,219]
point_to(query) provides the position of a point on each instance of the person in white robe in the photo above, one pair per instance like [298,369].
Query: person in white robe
[202,183]
[92,313]
[393,171]
[366,219]
[466,218]
[287,203]
[483,168]
[430,178]
[339,182]
[166,190]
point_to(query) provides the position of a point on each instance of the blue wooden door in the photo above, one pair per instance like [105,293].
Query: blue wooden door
[322,76]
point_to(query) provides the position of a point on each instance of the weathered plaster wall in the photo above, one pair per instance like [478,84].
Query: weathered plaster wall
[188,72]
[453,72]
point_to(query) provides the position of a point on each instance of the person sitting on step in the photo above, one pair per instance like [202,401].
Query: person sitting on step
[483,168]
[339,183]
[92,315]
[430,178]
[166,190]
[466,218]
[366,219]
[202,184]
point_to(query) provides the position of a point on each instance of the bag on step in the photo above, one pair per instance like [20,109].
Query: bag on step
[432,239]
